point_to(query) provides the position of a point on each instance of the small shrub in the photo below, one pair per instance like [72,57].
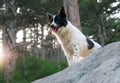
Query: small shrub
[32,68]
[2,75]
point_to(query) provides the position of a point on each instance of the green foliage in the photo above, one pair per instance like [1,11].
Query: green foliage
[31,12]
[92,11]
[1,3]
[2,75]
[33,68]
[38,9]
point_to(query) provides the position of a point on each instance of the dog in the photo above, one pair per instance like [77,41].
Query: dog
[74,43]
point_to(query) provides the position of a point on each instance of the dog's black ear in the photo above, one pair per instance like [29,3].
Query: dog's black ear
[49,16]
[62,12]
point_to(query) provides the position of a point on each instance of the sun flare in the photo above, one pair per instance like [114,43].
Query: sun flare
[1,55]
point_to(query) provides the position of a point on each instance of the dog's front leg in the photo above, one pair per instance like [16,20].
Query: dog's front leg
[69,60]
[76,55]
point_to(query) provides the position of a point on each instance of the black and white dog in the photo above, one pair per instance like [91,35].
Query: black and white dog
[73,42]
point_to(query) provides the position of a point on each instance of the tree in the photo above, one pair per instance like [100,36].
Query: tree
[95,18]
[9,39]
[29,16]
[72,10]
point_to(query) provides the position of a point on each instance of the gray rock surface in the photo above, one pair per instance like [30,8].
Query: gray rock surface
[102,66]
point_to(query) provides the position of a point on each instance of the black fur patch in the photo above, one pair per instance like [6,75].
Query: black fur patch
[90,43]
[59,20]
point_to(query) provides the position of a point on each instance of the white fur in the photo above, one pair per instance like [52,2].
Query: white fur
[74,43]
[53,22]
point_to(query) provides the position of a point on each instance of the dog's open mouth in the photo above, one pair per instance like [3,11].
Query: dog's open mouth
[54,29]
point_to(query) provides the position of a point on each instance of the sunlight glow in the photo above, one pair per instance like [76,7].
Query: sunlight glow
[117,14]
[99,1]
[115,4]
[19,36]
[1,55]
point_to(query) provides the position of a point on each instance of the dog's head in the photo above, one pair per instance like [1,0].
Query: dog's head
[57,21]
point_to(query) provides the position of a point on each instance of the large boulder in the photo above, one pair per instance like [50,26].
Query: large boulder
[102,66]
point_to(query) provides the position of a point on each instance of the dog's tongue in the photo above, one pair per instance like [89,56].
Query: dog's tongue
[55,29]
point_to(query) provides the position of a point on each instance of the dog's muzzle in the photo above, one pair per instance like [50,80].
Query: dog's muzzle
[54,28]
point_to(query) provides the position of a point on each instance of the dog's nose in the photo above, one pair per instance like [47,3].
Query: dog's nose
[52,26]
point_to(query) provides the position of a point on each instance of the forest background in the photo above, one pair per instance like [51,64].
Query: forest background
[28,51]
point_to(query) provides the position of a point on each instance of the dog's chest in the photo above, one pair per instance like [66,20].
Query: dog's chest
[67,46]
[68,39]
[64,38]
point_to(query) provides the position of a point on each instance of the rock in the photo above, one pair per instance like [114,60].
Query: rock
[102,66]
